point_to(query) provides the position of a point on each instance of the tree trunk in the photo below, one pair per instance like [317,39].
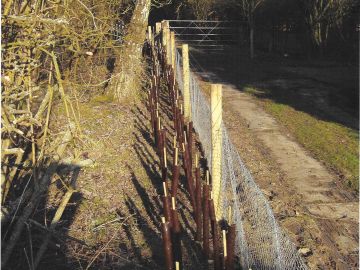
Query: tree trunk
[128,66]
[252,54]
[271,40]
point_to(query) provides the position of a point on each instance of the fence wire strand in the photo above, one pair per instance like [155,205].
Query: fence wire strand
[260,243]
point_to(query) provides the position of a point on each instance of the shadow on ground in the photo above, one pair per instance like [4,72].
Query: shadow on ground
[27,229]
[327,91]
[149,225]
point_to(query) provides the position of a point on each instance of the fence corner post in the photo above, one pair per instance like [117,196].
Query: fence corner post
[216,146]
[186,81]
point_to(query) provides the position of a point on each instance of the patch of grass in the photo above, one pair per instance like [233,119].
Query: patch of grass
[103,98]
[253,90]
[332,143]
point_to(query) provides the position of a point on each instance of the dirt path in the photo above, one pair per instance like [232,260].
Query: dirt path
[308,200]
[319,195]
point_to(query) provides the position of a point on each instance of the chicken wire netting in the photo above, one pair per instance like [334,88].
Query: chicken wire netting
[260,243]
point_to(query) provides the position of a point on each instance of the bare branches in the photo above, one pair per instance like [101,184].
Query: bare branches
[92,15]
[48,49]
[160,3]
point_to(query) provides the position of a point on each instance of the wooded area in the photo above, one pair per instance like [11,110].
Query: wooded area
[322,27]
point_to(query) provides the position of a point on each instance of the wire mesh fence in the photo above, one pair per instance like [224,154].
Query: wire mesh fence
[260,242]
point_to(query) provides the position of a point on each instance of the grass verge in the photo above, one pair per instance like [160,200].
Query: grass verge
[332,143]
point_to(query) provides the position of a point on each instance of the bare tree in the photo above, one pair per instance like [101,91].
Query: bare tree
[201,9]
[248,10]
[321,15]
[128,66]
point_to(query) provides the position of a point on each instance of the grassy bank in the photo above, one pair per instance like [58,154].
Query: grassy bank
[332,143]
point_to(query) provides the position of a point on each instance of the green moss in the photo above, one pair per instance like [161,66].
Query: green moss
[102,99]
[334,144]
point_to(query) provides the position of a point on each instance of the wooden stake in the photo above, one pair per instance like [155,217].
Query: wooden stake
[167,244]
[216,144]
[175,180]
[165,162]
[176,156]
[167,209]
[186,81]
[216,248]
[206,221]
[224,243]
[173,203]
[230,245]
[198,211]
[190,138]
[175,141]
[165,190]
[176,236]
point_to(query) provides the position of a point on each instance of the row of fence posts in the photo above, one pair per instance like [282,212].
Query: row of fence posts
[203,191]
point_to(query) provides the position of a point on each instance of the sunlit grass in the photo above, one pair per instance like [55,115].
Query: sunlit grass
[332,143]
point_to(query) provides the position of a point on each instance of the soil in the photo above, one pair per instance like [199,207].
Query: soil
[114,220]
[308,200]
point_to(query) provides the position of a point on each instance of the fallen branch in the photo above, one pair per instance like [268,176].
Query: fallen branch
[58,235]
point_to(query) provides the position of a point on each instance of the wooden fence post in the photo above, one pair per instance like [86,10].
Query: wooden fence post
[173,49]
[163,24]
[168,46]
[186,81]
[216,145]
[164,29]
[158,27]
